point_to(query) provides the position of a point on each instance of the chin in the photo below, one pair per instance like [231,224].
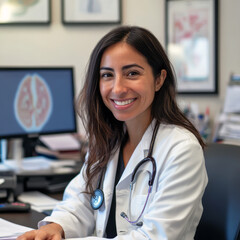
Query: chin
[123,118]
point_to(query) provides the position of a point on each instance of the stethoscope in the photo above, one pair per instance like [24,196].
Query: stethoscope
[97,197]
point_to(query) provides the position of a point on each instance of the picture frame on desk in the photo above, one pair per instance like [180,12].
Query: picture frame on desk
[25,12]
[91,12]
[192,44]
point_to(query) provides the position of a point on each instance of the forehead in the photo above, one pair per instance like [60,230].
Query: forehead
[122,52]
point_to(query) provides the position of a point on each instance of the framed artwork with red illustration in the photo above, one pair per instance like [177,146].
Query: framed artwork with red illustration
[192,44]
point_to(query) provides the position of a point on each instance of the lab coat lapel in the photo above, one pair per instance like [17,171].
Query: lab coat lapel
[108,186]
[139,153]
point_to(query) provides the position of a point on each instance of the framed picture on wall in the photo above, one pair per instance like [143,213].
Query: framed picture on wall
[192,44]
[25,12]
[91,11]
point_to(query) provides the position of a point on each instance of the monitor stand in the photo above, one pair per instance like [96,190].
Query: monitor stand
[28,145]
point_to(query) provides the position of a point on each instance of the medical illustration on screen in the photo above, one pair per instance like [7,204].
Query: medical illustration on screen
[33,103]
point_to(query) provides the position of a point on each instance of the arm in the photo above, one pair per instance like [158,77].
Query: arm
[74,213]
[72,217]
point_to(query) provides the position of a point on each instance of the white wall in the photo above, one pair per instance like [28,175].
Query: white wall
[60,45]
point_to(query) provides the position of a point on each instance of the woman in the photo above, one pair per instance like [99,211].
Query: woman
[129,109]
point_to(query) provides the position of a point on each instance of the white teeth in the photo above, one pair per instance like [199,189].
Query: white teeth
[121,103]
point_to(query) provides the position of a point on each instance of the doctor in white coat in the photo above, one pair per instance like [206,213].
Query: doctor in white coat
[138,137]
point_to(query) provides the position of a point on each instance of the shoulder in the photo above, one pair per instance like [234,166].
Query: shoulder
[170,137]
[175,135]
[174,142]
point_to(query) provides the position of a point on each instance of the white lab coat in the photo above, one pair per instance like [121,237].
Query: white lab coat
[174,208]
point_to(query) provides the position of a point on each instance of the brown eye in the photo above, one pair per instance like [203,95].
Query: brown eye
[133,74]
[106,75]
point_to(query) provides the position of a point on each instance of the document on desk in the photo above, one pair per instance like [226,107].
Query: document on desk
[39,201]
[232,99]
[39,163]
[10,231]
[61,142]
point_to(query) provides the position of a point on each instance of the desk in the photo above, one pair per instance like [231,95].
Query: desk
[50,180]
[29,219]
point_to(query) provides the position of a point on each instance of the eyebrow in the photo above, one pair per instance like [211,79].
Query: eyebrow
[132,65]
[123,68]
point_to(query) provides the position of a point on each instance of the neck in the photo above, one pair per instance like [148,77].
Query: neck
[136,129]
[135,133]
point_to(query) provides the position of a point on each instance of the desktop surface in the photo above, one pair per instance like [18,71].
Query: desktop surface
[28,219]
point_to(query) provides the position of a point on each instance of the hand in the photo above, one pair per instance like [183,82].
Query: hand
[52,231]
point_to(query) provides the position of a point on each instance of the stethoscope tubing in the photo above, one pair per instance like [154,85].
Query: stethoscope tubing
[150,183]
[97,203]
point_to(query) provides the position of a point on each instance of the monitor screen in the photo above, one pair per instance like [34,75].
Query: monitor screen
[36,101]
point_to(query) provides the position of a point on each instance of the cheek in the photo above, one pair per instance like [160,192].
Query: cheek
[102,89]
[148,90]
[103,92]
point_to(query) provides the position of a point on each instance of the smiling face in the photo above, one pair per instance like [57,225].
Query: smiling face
[127,84]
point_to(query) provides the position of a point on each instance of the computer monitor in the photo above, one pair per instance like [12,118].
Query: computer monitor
[36,101]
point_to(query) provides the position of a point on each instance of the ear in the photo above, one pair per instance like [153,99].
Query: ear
[160,80]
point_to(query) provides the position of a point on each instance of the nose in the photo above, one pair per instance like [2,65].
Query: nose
[119,85]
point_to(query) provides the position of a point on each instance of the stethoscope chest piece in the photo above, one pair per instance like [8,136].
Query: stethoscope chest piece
[97,199]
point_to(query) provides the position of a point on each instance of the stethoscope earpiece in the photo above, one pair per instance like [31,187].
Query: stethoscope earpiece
[97,199]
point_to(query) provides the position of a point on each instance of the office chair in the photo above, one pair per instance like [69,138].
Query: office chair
[221,200]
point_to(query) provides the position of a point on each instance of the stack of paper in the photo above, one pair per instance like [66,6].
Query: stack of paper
[229,128]
[63,142]
[232,99]
[60,146]
[10,231]
[29,164]
[39,201]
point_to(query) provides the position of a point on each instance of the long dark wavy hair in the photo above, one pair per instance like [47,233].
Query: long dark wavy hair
[105,133]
